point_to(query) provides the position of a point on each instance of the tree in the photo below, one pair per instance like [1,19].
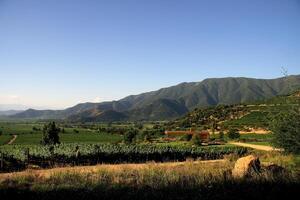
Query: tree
[286,131]
[221,135]
[196,139]
[138,126]
[233,134]
[75,131]
[130,135]
[144,135]
[35,129]
[50,134]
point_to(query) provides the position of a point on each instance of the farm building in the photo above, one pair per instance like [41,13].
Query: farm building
[204,135]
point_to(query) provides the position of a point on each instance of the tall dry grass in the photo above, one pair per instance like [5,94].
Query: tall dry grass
[187,180]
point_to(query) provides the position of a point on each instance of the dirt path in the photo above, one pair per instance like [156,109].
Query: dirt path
[255,146]
[13,139]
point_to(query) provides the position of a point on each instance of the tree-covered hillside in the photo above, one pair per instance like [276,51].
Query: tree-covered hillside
[242,116]
[172,102]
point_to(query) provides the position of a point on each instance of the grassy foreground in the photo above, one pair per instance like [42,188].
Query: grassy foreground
[186,180]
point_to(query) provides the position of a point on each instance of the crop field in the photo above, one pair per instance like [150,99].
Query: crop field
[89,137]
[33,128]
[31,133]
[4,139]
[18,156]
[254,119]
[19,128]
[256,136]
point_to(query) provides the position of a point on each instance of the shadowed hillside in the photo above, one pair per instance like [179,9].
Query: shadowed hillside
[175,101]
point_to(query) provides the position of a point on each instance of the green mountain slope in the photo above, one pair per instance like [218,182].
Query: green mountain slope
[172,102]
[160,109]
[96,115]
[242,116]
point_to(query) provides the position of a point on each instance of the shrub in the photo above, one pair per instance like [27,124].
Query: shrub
[233,134]
[138,126]
[35,129]
[144,135]
[196,139]
[75,131]
[221,135]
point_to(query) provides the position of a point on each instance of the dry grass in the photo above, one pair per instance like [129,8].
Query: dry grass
[185,180]
[122,171]
[288,161]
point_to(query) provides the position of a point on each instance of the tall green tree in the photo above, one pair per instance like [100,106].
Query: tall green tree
[50,134]
[286,130]
[130,136]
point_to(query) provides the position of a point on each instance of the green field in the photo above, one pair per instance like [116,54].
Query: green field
[19,128]
[261,139]
[69,138]
[27,135]
[28,128]
[254,119]
[4,139]
[256,136]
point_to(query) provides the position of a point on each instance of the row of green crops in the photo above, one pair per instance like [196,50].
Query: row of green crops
[88,154]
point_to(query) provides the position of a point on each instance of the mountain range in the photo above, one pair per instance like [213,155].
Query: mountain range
[172,102]
[9,112]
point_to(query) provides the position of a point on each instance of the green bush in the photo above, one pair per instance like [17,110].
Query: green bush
[75,131]
[221,135]
[286,131]
[233,134]
[196,139]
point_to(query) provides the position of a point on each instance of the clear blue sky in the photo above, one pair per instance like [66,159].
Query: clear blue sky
[57,53]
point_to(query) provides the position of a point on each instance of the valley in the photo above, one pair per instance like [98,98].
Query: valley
[149,99]
[171,102]
[133,152]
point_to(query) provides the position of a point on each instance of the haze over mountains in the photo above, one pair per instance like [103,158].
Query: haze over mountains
[172,102]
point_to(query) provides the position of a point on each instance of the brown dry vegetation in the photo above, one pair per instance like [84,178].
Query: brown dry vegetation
[119,169]
[185,180]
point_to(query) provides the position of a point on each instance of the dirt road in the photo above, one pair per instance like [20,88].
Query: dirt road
[13,139]
[255,146]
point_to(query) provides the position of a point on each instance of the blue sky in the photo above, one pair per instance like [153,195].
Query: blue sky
[56,53]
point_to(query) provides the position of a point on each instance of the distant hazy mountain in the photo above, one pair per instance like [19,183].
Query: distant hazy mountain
[173,101]
[5,107]
[9,112]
